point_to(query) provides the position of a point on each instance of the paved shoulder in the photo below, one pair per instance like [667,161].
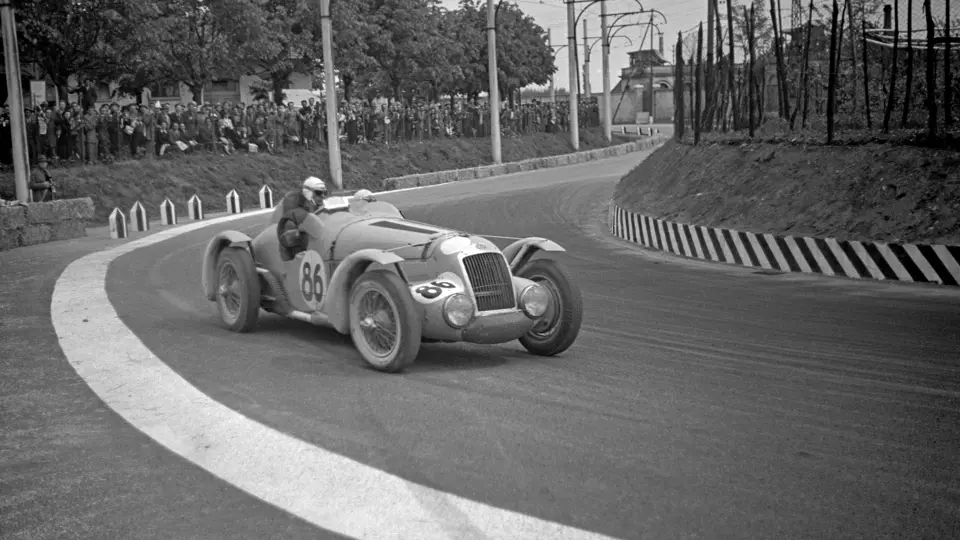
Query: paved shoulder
[72,468]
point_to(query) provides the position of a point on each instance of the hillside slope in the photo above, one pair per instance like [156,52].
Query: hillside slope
[872,191]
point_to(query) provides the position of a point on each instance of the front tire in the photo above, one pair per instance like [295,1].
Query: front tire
[558,328]
[384,321]
[238,289]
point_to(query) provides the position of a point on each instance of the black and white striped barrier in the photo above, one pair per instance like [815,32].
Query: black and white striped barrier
[233,202]
[266,197]
[919,263]
[195,208]
[168,213]
[118,224]
[138,218]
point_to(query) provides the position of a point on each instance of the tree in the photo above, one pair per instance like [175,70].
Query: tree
[288,32]
[193,41]
[524,57]
[353,28]
[71,37]
[405,41]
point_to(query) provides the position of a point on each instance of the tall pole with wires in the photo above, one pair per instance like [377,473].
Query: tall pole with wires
[494,84]
[333,132]
[605,43]
[574,120]
[18,125]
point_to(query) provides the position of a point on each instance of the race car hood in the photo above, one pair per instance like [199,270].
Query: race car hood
[406,238]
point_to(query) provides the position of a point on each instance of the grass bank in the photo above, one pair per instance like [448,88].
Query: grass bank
[212,177]
[870,190]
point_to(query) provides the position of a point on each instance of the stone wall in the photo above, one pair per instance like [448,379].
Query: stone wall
[443,177]
[37,223]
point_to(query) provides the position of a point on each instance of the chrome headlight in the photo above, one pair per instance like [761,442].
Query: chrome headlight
[458,310]
[534,300]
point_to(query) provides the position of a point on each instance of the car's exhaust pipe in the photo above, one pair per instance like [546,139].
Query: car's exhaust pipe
[316,319]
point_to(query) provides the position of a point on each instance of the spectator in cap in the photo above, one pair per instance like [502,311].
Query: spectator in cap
[41,187]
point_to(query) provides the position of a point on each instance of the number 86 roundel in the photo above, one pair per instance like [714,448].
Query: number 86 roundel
[312,279]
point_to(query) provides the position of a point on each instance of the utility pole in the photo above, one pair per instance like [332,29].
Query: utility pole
[494,85]
[18,125]
[653,51]
[330,83]
[574,120]
[586,61]
[605,42]
[553,85]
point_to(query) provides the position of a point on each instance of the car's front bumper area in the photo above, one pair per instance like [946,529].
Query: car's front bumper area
[499,327]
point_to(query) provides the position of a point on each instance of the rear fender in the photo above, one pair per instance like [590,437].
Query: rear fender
[220,242]
[336,303]
[519,252]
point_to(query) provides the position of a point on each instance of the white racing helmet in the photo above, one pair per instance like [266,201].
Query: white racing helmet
[314,189]
[364,195]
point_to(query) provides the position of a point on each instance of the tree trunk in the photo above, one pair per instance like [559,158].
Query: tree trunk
[197,91]
[753,62]
[892,93]
[805,76]
[732,88]
[832,84]
[947,74]
[908,91]
[696,104]
[347,87]
[931,75]
[866,76]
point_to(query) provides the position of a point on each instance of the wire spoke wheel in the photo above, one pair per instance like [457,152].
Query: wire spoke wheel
[238,289]
[549,323]
[559,326]
[385,322]
[229,291]
[378,322]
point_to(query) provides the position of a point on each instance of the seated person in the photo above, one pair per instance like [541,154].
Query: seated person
[296,206]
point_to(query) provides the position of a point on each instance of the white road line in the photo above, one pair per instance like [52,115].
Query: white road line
[323,488]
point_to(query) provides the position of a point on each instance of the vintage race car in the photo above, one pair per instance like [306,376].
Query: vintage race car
[392,283]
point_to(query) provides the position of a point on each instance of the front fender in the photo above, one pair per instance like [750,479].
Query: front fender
[335,303]
[220,241]
[519,252]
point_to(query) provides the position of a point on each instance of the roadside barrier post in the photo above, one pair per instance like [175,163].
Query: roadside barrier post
[195,208]
[233,202]
[118,224]
[138,218]
[266,197]
[168,213]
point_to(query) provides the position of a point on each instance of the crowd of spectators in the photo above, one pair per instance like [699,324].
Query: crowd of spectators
[66,133]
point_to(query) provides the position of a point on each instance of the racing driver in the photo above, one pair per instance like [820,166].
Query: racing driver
[296,206]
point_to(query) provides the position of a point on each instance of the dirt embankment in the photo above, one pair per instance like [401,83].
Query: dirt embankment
[212,177]
[873,191]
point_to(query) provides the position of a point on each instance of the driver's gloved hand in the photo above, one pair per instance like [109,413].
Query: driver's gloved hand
[290,239]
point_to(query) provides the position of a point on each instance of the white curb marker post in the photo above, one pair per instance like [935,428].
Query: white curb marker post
[138,217]
[233,202]
[266,197]
[168,213]
[195,208]
[118,224]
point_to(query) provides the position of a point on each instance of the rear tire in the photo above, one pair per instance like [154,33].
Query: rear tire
[238,289]
[384,321]
[558,328]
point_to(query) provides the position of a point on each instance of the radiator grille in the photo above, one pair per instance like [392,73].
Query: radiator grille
[490,278]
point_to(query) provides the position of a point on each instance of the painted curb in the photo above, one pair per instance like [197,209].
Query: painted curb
[915,263]
[549,162]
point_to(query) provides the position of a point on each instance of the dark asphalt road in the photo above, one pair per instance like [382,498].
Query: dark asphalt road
[697,403]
